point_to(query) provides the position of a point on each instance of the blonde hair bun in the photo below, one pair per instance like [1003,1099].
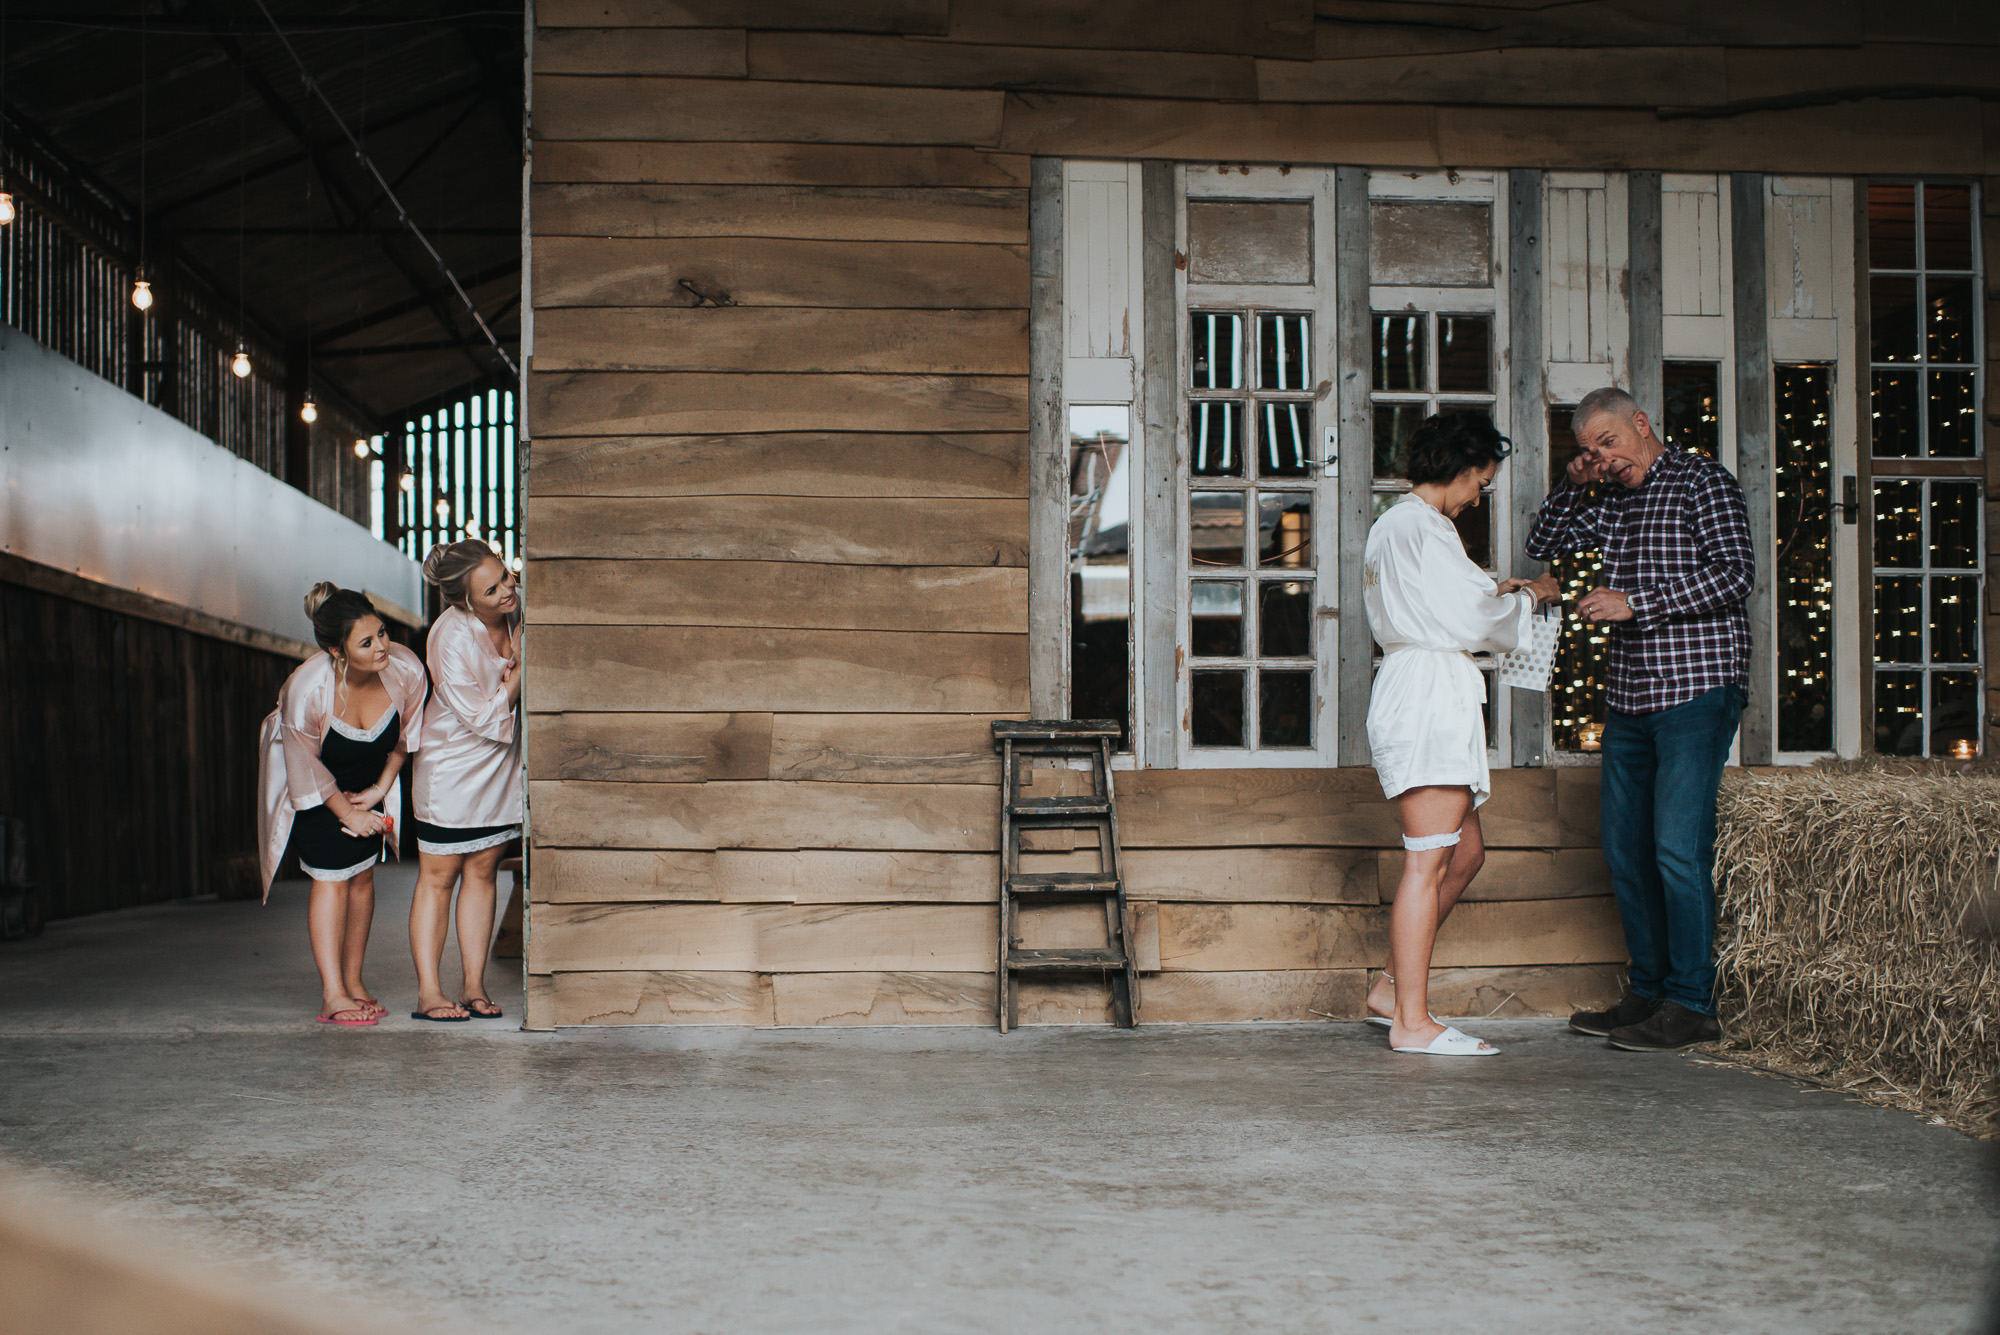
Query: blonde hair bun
[317,595]
[450,565]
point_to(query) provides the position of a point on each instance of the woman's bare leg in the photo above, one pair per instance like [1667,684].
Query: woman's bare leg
[354,938]
[477,891]
[430,918]
[1413,921]
[1467,857]
[326,924]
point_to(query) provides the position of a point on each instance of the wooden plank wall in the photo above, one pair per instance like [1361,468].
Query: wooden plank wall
[777,523]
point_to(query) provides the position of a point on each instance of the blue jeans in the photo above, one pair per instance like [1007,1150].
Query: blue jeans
[1657,820]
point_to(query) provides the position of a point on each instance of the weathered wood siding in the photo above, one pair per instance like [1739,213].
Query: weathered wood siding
[778,515]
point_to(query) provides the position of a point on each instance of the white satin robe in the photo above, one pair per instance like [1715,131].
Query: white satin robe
[1431,608]
[469,768]
[290,777]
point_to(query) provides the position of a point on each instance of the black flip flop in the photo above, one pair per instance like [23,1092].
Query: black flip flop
[439,1019]
[494,1014]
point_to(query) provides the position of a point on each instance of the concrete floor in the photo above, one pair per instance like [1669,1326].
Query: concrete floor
[1285,1178]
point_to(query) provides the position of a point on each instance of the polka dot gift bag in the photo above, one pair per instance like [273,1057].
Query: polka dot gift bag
[1529,666]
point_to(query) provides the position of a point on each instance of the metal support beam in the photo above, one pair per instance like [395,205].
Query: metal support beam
[1754,457]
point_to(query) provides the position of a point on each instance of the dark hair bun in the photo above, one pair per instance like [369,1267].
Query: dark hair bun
[334,611]
[1448,444]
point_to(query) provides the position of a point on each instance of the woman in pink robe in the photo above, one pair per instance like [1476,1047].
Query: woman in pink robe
[330,759]
[469,789]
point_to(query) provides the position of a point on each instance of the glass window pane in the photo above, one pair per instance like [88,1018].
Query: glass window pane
[1892,319]
[1562,442]
[1283,361]
[1693,421]
[1284,708]
[1892,226]
[1215,528]
[1948,320]
[1399,353]
[1100,566]
[1284,619]
[1954,525]
[1804,564]
[1899,520]
[1215,439]
[1899,713]
[1284,431]
[1955,715]
[1893,415]
[1394,424]
[1382,501]
[1215,618]
[1947,227]
[1284,528]
[1955,618]
[1465,353]
[1215,350]
[1475,530]
[1216,713]
[1899,620]
[1954,418]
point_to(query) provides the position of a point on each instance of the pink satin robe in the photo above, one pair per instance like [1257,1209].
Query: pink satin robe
[290,777]
[470,764]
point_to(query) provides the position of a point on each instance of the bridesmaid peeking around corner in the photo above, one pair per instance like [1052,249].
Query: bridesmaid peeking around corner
[329,759]
[1431,608]
[468,791]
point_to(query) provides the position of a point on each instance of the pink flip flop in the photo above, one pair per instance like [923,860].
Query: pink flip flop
[335,1018]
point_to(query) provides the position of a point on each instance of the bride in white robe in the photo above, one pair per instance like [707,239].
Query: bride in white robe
[1431,608]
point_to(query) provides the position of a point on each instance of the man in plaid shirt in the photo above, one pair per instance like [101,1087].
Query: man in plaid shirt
[1675,539]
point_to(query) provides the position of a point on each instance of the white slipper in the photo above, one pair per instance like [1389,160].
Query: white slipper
[1452,1043]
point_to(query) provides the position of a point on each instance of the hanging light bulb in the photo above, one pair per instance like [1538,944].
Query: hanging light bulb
[409,482]
[6,207]
[142,291]
[240,365]
[495,546]
[361,449]
[308,411]
[443,508]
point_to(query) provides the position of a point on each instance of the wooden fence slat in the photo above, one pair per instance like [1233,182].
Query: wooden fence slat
[915,17]
[941,818]
[1227,937]
[803,463]
[1679,76]
[770,938]
[1363,27]
[774,271]
[836,530]
[650,748]
[763,876]
[760,338]
[1519,873]
[720,110]
[821,212]
[1317,808]
[1301,995]
[1256,875]
[1062,125]
[804,595]
[706,996]
[1245,27]
[715,53]
[885,748]
[666,669]
[892,61]
[776,164]
[666,403]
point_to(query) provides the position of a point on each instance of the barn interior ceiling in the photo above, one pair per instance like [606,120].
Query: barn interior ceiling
[195,113]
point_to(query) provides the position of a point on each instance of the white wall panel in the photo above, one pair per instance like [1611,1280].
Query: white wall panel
[97,483]
[1585,256]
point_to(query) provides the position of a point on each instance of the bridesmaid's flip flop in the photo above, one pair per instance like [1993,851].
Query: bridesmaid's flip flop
[475,1003]
[439,1019]
[1451,1043]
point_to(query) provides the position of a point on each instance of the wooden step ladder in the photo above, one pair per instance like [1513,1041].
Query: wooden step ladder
[1025,741]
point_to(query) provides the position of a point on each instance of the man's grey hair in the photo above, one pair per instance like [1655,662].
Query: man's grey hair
[1610,399]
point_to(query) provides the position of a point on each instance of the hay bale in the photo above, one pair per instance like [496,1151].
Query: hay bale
[1847,895]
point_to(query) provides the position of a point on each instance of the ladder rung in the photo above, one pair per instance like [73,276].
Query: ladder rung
[1063,883]
[1055,730]
[1059,806]
[1087,960]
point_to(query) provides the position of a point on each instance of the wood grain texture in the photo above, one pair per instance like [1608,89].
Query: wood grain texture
[944,818]
[699,748]
[824,530]
[1510,992]
[656,997]
[824,212]
[1519,873]
[761,338]
[1260,875]
[1577,791]
[1414,29]
[803,463]
[1247,27]
[1206,937]
[1324,808]
[718,111]
[768,271]
[1069,126]
[768,938]
[668,403]
[1301,995]
[713,53]
[649,748]
[1636,77]
[895,61]
[763,876]
[899,16]
[1963,65]
[674,669]
[776,164]
[781,593]
[884,998]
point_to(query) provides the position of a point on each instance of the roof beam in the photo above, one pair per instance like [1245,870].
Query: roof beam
[398,309]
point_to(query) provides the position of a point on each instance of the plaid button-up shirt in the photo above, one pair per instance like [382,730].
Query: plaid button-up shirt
[1678,546]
